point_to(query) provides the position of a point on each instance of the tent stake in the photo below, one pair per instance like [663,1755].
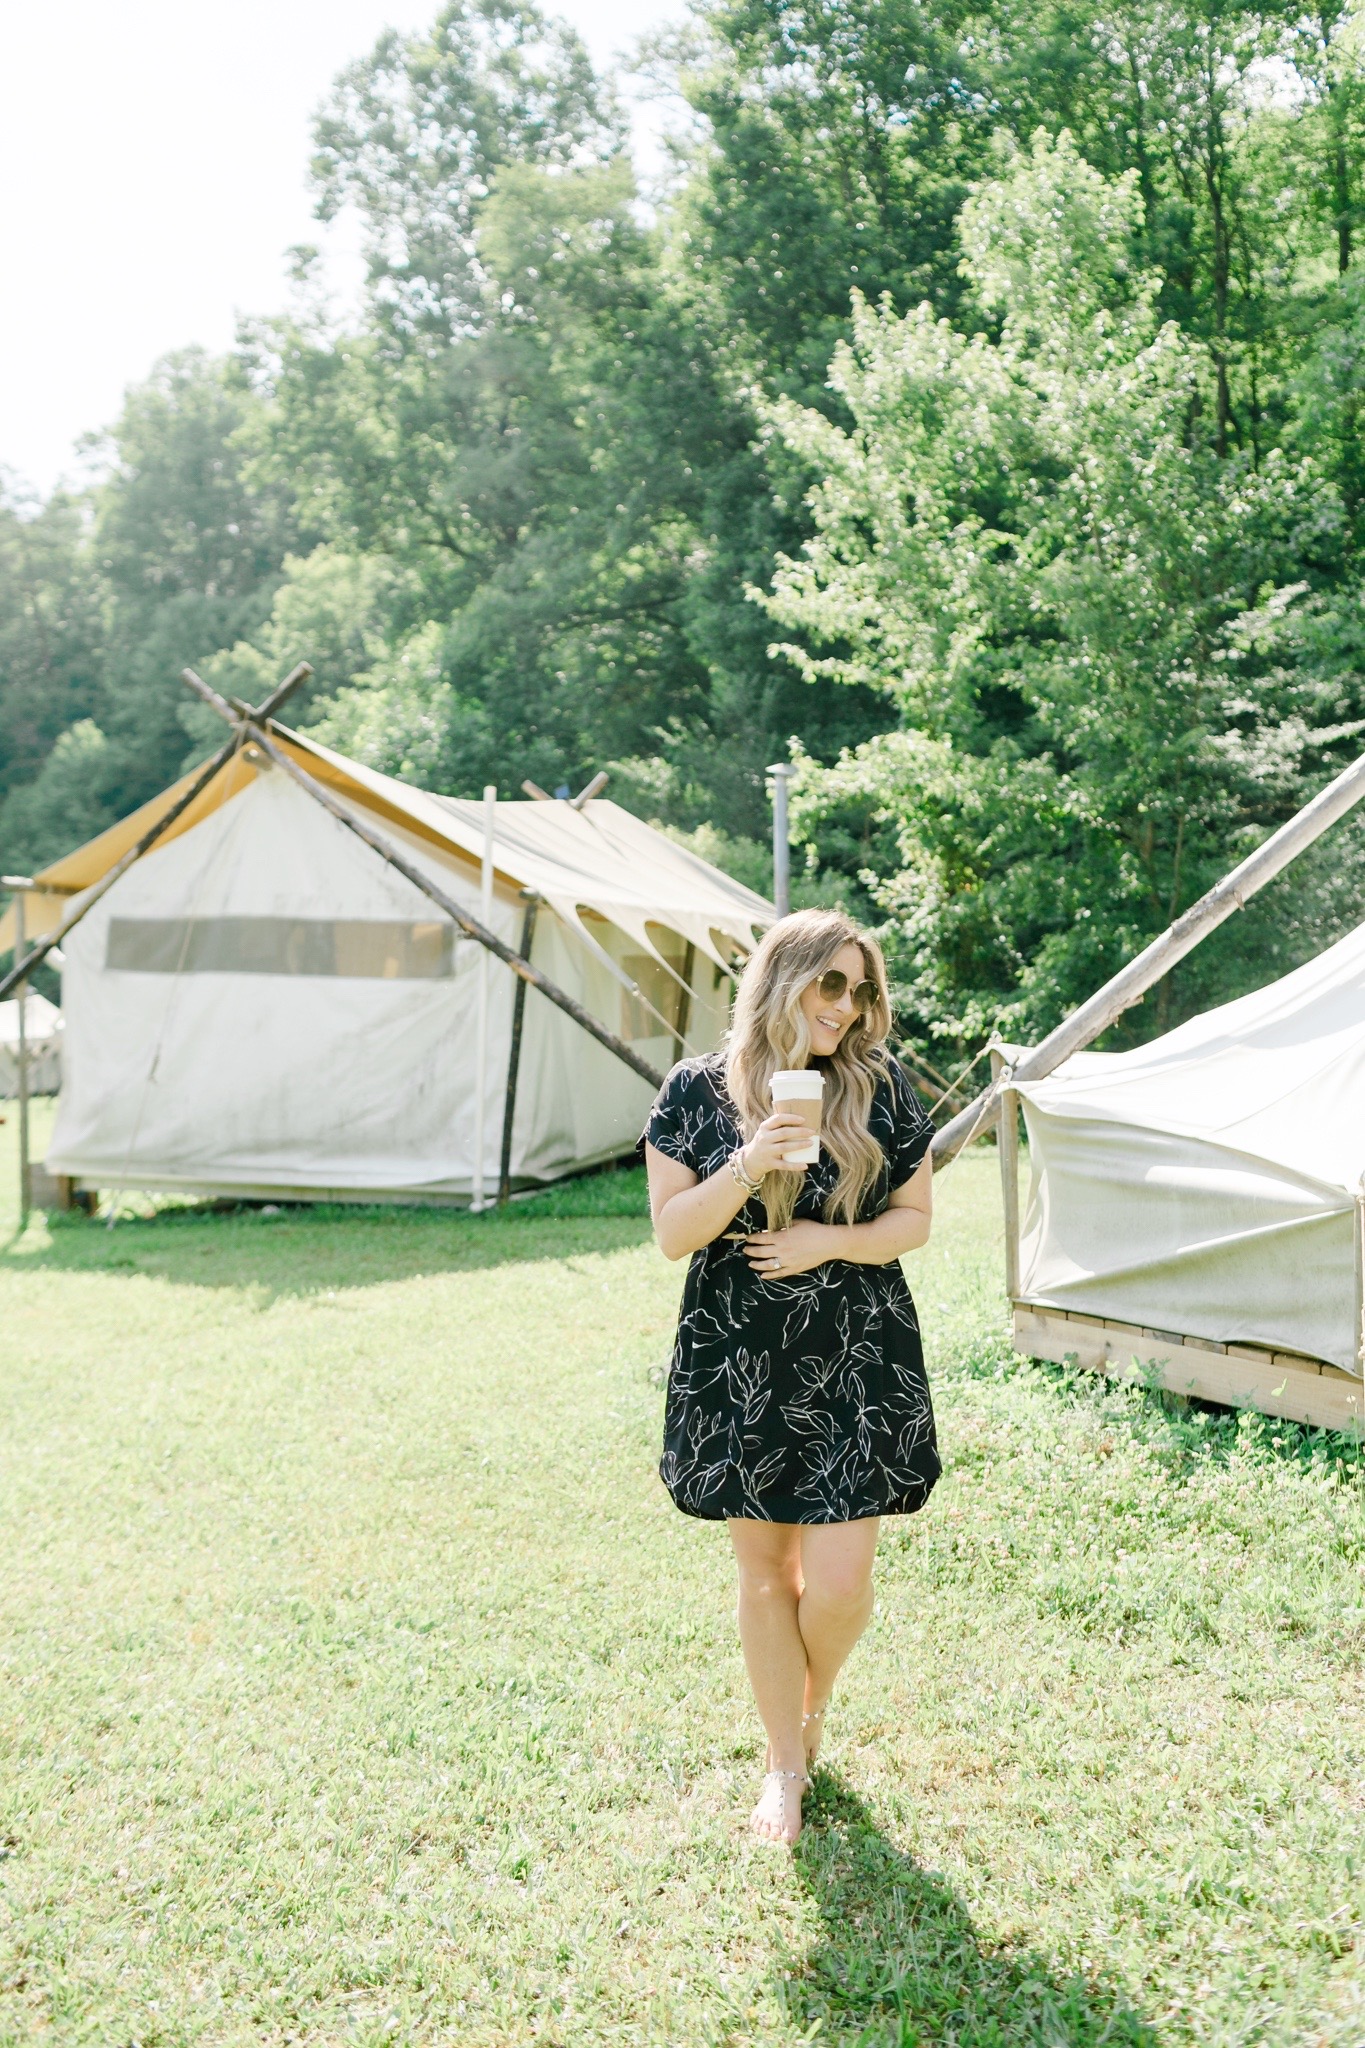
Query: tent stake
[528,933]
[1132,982]
[470,926]
[22,968]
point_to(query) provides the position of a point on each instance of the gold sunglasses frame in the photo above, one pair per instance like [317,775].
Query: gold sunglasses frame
[866,994]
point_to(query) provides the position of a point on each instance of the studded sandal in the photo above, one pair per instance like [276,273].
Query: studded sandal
[817,1714]
[783,1780]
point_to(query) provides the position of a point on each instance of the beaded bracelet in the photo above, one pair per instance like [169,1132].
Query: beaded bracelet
[739,1176]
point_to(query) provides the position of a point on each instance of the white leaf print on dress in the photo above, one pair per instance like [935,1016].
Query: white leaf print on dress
[800,1399]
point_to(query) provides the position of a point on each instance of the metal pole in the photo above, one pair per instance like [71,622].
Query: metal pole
[684,1015]
[19,883]
[782,894]
[490,800]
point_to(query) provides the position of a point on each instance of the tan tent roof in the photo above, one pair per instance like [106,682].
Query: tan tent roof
[600,860]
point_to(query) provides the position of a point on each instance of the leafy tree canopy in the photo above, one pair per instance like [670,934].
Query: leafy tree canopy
[976,413]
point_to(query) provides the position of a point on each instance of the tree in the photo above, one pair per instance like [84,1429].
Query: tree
[416,133]
[1037,548]
[51,634]
[174,556]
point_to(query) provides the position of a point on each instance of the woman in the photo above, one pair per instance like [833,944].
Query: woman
[798,1410]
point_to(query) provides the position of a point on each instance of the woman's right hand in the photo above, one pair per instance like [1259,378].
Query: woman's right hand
[783,1131]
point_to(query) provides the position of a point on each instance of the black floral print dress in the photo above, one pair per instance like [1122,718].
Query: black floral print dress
[800,1399]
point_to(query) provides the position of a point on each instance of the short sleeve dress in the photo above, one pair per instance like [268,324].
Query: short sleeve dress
[801,1399]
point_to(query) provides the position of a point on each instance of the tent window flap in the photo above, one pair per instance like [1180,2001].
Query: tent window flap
[362,949]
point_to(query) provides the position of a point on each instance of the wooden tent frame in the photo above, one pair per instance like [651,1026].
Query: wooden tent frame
[253,726]
[1287,1383]
[1132,982]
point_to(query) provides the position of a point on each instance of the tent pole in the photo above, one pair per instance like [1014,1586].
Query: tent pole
[22,968]
[528,933]
[590,790]
[1008,1143]
[470,926]
[20,883]
[684,1016]
[490,798]
[1132,982]
[1360,1277]
[25,1176]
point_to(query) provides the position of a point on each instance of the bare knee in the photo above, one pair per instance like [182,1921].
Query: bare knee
[769,1584]
[844,1589]
[769,1559]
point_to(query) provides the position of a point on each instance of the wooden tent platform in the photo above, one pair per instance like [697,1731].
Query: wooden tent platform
[1240,1375]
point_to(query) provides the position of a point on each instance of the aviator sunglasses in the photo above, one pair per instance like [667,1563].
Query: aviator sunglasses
[833,984]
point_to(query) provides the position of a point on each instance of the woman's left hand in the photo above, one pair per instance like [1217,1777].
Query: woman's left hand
[777,1254]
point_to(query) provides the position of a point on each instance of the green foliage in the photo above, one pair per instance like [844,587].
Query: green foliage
[416,134]
[1034,547]
[842,142]
[74,794]
[179,558]
[337,605]
[51,634]
[1010,359]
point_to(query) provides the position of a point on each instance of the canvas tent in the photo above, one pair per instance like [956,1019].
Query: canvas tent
[263,1004]
[1207,1188]
[43,1032]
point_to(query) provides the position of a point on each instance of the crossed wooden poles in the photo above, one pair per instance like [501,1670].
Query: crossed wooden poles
[1079,1029]
[253,723]
[1132,982]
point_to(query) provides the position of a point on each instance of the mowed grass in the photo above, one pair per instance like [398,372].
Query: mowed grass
[360,1684]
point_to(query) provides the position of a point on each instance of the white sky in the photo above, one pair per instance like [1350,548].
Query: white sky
[153,162]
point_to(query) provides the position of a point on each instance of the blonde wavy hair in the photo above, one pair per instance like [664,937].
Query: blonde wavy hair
[769,1031]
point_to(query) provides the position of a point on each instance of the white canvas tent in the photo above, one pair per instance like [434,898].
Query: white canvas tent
[43,1034]
[1208,1188]
[262,1004]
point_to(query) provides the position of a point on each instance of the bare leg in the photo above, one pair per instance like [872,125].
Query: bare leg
[835,1605]
[769,1559]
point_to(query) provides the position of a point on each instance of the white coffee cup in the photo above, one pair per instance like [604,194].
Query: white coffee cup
[801,1089]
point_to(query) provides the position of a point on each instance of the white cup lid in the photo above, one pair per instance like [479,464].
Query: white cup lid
[802,1082]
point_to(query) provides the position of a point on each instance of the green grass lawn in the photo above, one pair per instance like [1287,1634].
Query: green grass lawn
[360,1684]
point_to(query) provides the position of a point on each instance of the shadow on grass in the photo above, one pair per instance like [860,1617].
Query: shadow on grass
[313,1248]
[899,1964]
